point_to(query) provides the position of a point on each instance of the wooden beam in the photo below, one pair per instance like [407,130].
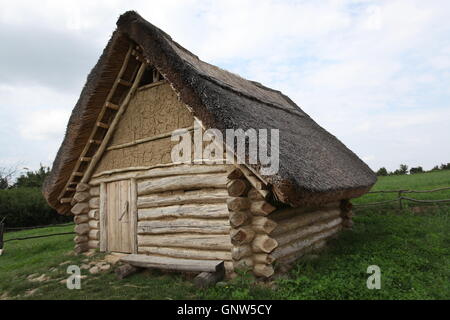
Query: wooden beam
[167,263]
[153,84]
[133,215]
[102,125]
[102,219]
[77,174]
[113,125]
[144,140]
[85,159]
[100,116]
[125,83]
[112,106]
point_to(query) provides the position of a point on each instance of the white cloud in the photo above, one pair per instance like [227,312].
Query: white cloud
[374,73]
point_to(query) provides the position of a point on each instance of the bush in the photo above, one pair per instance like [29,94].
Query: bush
[416,170]
[26,207]
[382,172]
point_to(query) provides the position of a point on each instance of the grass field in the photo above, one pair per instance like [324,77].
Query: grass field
[420,181]
[412,250]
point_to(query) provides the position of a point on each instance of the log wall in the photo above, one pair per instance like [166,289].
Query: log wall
[250,231]
[185,215]
[80,210]
[302,230]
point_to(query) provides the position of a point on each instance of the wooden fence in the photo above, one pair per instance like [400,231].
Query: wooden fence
[402,198]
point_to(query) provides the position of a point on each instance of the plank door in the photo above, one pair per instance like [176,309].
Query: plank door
[121,216]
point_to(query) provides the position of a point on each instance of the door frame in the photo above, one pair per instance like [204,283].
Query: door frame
[103,213]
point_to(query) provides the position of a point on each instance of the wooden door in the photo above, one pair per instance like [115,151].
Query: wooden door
[120,217]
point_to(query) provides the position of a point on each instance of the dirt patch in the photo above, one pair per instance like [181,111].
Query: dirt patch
[5,296]
[30,292]
[40,278]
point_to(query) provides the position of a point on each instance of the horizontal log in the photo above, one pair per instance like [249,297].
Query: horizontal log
[254,195]
[263,270]
[161,170]
[243,264]
[184,225]
[242,235]
[316,246]
[300,244]
[304,232]
[229,267]
[261,208]
[254,181]
[289,212]
[239,252]
[80,239]
[305,219]
[94,224]
[213,211]
[169,263]
[347,223]
[346,205]
[186,253]
[263,258]
[82,196]
[94,203]
[94,234]
[210,242]
[204,196]
[263,243]
[93,244]
[82,187]
[238,204]
[239,218]
[81,218]
[94,191]
[237,187]
[235,173]
[263,225]
[186,182]
[80,208]
[82,229]
[94,214]
[81,247]
[347,214]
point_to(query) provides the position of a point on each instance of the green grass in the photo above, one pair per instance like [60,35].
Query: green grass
[412,250]
[420,181]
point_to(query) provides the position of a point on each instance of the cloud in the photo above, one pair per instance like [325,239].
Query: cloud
[373,73]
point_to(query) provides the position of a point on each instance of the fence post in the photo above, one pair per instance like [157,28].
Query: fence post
[400,199]
[2,227]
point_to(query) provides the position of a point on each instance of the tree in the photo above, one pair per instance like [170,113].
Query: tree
[382,172]
[403,169]
[32,179]
[6,177]
[416,170]
[445,166]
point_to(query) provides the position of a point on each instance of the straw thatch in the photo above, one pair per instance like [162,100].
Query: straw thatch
[315,166]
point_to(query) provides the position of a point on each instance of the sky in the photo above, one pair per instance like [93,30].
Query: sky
[376,74]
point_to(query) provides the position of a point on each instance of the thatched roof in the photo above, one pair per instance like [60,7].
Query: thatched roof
[314,165]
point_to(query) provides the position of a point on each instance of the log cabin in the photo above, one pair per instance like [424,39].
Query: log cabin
[114,172]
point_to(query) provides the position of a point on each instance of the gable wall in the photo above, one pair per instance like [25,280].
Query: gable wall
[152,112]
